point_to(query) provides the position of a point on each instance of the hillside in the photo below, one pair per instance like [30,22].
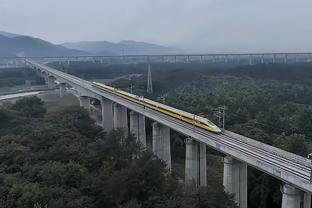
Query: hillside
[19,45]
[124,47]
[9,35]
[29,46]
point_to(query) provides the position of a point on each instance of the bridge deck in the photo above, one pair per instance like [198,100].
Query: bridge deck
[288,167]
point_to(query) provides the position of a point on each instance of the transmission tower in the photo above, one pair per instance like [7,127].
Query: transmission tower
[149,80]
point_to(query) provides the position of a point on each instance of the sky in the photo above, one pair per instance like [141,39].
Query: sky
[195,26]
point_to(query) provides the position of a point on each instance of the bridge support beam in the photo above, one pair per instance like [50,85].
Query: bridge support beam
[38,72]
[195,164]
[96,113]
[202,165]
[62,89]
[44,76]
[235,180]
[307,200]
[120,117]
[291,197]
[51,82]
[161,143]
[137,127]
[84,102]
[46,79]
[191,163]
[107,114]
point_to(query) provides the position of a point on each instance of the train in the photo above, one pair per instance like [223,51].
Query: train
[192,119]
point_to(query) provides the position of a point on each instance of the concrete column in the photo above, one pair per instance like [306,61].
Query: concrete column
[84,102]
[137,127]
[250,60]
[307,200]
[161,143]
[51,82]
[120,117]
[191,163]
[291,197]
[285,59]
[45,77]
[273,59]
[96,113]
[62,89]
[262,59]
[202,165]
[195,163]
[107,114]
[38,72]
[235,180]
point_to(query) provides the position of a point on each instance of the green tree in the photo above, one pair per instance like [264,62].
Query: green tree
[30,107]
[295,143]
[305,122]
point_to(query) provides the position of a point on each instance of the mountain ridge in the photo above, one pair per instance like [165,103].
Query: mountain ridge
[20,46]
[8,34]
[16,45]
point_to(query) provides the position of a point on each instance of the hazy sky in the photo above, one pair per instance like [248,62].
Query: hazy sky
[193,25]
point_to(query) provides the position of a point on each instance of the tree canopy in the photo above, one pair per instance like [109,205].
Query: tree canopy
[62,160]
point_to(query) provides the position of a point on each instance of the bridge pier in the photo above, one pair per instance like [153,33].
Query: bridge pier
[195,163]
[161,143]
[202,165]
[62,89]
[84,102]
[46,79]
[51,81]
[120,117]
[291,197]
[235,180]
[44,75]
[250,60]
[107,114]
[191,163]
[38,72]
[96,113]
[137,127]
[307,200]
[262,59]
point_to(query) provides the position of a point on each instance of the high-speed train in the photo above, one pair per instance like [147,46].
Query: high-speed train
[167,110]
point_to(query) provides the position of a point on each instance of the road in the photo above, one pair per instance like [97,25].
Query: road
[17,95]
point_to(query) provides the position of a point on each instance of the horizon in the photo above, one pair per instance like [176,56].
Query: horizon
[119,41]
[182,53]
[195,27]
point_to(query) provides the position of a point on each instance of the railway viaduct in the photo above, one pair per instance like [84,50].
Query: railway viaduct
[226,58]
[240,151]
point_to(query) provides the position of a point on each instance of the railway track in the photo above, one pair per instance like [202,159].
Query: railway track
[285,166]
[252,151]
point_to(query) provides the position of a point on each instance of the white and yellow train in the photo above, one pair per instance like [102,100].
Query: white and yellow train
[167,110]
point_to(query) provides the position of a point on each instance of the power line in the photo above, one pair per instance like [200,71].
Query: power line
[220,114]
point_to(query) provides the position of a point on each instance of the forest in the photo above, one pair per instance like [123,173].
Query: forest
[10,77]
[271,103]
[63,160]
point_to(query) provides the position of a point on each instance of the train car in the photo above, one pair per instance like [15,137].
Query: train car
[167,110]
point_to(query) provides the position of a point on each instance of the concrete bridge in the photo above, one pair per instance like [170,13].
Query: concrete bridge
[240,151]
[225,58]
